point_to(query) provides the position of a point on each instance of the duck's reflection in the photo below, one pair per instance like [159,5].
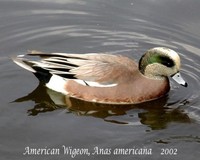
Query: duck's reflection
[156,114]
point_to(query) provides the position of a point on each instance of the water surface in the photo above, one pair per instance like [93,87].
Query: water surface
[33,116]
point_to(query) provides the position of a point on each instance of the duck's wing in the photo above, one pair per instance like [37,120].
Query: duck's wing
[93,67]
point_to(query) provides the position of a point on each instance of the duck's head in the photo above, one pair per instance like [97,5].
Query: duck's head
[161,62]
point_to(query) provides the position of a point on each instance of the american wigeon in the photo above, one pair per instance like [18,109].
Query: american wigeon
[106,78]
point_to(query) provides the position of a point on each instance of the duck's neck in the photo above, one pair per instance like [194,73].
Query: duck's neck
[151,71]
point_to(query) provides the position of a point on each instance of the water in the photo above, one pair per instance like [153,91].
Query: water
[29,115]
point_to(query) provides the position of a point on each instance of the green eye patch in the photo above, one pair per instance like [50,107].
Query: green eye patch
[161,59]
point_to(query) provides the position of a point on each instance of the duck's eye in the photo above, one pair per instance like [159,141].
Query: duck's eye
[164,60]
[167,61]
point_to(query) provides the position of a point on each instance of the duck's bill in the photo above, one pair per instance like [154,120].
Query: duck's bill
[177,77]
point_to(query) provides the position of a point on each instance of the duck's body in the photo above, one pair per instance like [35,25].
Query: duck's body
[135,90]
[106,78]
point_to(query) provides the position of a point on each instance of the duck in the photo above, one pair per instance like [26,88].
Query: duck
[106,78]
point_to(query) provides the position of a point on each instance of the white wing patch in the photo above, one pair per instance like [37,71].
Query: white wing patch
[94,84]
[57,84]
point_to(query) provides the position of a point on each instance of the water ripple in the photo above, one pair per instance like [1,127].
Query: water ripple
[121,41]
